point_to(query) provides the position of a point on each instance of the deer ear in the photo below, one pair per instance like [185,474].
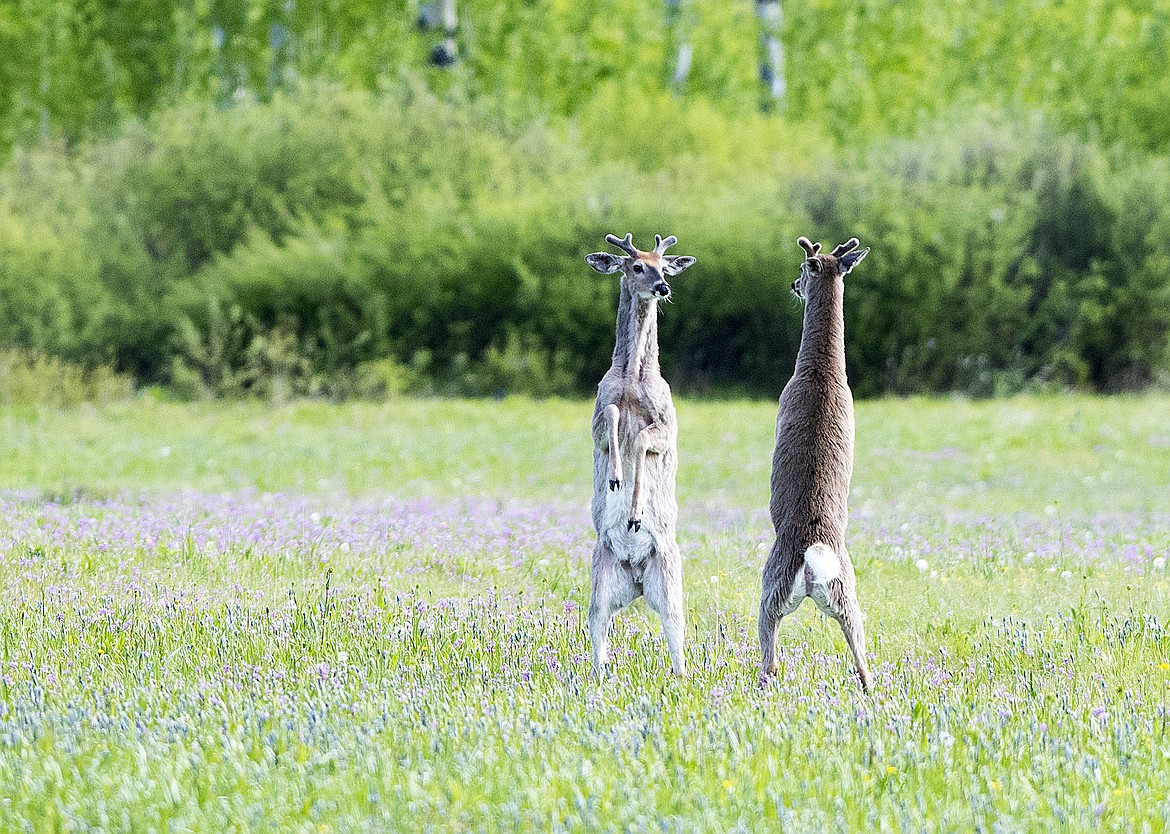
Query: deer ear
[851,259]
[674,264]
[605,262]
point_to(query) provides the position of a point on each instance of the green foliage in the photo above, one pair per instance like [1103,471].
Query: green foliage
[49,292]
[39,288]
[271,250]
[70,68]
[1099,69]
[260,200]
[29,378]
[1004,255]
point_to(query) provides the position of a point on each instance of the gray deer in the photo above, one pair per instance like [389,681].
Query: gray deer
[635,432]
[812,465]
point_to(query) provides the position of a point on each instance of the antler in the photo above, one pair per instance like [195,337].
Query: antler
[811,248]
[661,245]
[846,247]
[627,244]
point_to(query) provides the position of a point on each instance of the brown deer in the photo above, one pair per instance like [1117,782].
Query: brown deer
[812,466]
[635,433]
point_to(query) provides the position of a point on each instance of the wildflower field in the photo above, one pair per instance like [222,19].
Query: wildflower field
[370,617]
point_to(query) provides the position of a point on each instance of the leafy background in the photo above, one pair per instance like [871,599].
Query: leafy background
[288,199]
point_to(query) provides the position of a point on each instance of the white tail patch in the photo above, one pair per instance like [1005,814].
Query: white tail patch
[823,563]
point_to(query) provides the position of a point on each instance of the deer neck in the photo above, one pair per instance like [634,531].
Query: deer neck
[635,351]
[822,340]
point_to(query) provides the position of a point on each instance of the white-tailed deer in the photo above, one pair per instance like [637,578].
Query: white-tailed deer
[635,457]
[812,466]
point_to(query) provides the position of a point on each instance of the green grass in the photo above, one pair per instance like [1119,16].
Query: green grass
[322,618]
[1021,454]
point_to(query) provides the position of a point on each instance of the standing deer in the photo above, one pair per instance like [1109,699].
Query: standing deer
[812,465]
[634,431]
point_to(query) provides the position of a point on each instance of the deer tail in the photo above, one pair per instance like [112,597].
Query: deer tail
[822,564]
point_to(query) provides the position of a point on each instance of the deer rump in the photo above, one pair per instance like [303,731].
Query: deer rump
[612,508]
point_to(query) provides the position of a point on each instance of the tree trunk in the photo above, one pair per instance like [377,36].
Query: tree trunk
[683,52]
[441,14]
[771,18]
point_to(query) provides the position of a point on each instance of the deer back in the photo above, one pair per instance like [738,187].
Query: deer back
[812,464]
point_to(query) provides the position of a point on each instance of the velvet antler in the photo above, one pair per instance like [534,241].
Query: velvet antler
[811,248]
[661,245]
[846,247]
[627,244]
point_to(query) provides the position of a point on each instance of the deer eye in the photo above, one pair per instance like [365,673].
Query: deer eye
[637,266]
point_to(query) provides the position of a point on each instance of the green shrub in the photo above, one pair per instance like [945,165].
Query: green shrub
[521,364]
[384,378]
[50,298]
[1005,255]
[31,378]
[337,243]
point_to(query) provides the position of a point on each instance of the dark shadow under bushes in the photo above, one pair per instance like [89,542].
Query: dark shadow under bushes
[339,244]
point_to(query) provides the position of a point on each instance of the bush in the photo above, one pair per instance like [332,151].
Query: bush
[1004,255]
[30,378]
[50,295]
[336,243]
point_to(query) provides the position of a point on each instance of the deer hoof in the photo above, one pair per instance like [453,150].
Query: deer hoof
[614,485]
[634,525]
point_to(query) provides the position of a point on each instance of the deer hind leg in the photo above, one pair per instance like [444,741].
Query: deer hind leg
[840,603]
[612,418]
[662,585]
[776,602]
[654,439]
[613,590]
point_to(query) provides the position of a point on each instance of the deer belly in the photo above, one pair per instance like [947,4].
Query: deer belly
[628,545]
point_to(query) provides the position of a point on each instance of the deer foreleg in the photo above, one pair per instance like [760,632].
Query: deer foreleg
[612,418]
[654,439]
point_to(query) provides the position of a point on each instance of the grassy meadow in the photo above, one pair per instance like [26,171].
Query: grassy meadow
[317,618]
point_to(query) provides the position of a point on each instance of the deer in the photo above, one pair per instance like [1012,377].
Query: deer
[812,465]
[635,445]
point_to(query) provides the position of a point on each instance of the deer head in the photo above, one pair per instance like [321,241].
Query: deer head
[822,269]
[643,272]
